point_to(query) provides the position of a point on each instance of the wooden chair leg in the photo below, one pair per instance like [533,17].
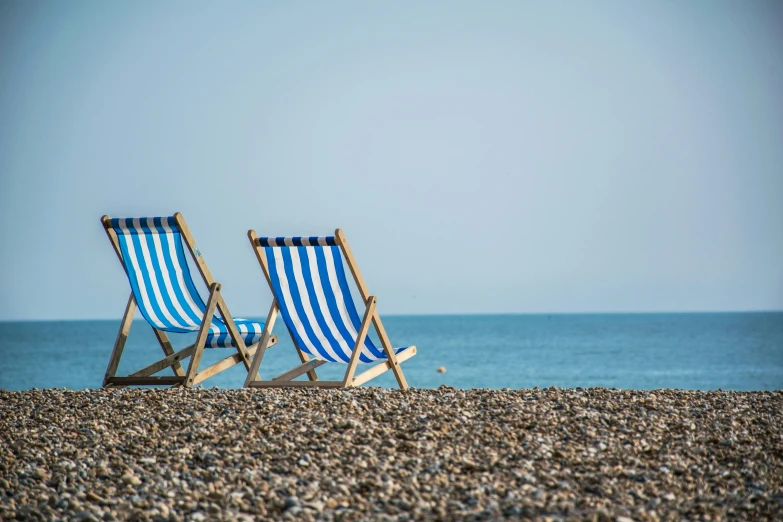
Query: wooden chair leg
[233,332]
[201,339]
[119,343]
[357,276]
[357,349]
[252,374]
[389,350]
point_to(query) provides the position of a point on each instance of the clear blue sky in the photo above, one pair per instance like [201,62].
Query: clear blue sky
[481,156]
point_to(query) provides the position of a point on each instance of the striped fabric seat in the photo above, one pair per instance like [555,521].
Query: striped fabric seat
[309,283]
[159,275]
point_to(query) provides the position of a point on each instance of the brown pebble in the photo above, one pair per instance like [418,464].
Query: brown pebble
[371,453]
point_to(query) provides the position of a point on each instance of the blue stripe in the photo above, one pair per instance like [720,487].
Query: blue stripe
[317,311]
[132,276]
[331,299]
[222,339]
[117,224]
[296,295]
[251,337]
[278,291]
[357,322]
[297,241]
[183,262]
[192,318]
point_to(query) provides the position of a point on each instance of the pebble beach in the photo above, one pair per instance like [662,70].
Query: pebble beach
[381,454]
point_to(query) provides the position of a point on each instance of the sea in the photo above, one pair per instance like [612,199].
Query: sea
[692,351]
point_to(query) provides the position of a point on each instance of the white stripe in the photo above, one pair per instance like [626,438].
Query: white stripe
[288,300]
[322,304]
[140,281]
[214,330]
[308,309]
[322,241]
[150,268]
[147,255]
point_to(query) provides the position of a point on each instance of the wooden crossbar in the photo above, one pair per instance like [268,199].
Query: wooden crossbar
[380,368]
[163,340]
[295,384]
[147,380]
[228,362]
[187,352]
[299,370]
[171,360]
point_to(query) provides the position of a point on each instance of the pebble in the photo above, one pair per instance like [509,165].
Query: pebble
[130,480]
[550,454]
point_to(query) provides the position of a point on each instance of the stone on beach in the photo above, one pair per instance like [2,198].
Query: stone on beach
[371,453]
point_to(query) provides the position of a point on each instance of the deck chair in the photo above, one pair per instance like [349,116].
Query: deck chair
[311,292]
[151,252]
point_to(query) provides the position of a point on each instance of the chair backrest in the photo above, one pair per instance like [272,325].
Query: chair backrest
[309,284]
[157,268]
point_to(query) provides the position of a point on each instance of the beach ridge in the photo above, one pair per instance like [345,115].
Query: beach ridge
[382,454]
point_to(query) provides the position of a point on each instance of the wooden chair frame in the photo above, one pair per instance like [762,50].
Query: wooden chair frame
[192,376]
[308,366]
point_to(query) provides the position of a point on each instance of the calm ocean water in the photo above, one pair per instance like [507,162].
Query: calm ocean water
[732,351]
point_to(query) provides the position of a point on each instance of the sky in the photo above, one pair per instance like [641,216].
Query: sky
[481,157]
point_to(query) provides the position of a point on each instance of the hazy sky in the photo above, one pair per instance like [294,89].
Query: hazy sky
[480,156]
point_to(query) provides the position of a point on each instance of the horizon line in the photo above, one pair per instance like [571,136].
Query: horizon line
[458,314]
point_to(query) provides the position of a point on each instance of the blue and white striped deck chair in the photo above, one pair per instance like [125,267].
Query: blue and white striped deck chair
[311,293]
[152,254]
